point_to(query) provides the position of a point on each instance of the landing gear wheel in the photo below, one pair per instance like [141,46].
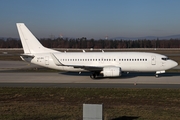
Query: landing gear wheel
[156,75]
[94,75]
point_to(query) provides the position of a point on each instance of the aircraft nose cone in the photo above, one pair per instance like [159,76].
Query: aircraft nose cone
[174,64]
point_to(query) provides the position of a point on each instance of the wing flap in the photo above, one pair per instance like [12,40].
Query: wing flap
[89,68]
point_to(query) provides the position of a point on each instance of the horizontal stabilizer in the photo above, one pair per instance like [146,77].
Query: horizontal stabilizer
[27,55]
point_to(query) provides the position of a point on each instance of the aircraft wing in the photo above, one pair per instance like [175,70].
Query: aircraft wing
[89,68]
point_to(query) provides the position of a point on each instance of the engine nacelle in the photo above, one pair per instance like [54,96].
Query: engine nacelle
[111,71]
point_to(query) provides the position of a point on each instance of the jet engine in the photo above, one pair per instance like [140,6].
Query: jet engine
[111,71]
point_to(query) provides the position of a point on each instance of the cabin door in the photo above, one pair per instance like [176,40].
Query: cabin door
[46,60]
[153,60]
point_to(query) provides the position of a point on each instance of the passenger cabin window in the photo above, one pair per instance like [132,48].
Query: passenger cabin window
[121,59]
[132,59]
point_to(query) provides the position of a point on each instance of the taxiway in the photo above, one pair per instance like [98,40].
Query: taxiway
[9,78]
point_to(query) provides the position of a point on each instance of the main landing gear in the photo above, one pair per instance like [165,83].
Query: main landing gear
[94,75]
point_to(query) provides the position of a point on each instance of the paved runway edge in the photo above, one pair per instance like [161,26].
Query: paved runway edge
[134,80]
[91,85]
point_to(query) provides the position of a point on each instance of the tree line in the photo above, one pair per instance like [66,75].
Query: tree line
[91,43]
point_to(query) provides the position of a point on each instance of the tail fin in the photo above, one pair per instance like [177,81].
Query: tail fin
[29,41]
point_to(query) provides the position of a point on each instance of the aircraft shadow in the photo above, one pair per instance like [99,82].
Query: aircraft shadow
[149,74]
[126,118]
[124,75]
[76,73]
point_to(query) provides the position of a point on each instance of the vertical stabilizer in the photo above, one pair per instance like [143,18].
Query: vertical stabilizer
[29,42]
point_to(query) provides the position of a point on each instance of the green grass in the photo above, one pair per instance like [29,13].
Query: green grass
[66,103]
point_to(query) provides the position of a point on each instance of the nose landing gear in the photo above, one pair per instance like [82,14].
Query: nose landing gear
[156,75]
[158,72]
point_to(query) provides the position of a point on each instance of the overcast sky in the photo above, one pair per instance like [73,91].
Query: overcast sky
[91,18]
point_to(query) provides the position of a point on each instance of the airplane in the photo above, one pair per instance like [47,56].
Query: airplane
[106,64]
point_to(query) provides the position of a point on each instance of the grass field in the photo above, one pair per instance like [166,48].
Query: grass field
[67,103]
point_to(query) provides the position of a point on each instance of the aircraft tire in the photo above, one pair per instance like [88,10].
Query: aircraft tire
[157,76]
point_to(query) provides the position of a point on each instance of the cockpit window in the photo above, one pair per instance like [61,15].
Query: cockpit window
[165,58]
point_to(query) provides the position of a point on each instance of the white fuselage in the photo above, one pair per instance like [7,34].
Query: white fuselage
[127,61]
